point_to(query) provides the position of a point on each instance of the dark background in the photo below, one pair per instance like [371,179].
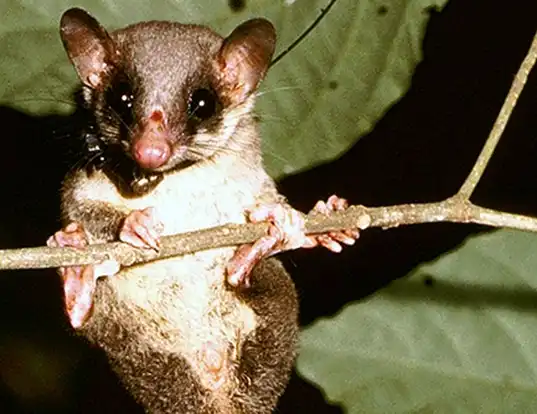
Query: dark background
[420,151]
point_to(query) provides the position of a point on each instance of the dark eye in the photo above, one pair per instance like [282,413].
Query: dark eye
[203,104]
[120,98]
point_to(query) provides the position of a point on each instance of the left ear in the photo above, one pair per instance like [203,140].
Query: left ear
[245,56]
[90,48]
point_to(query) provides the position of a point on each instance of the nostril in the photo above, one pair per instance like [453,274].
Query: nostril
[157,116]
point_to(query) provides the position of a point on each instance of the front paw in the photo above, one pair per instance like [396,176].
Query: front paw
[142,229]
[79,282]
[332,240]
[73,235]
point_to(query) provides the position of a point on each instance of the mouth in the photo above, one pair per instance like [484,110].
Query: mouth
[147,180]
[129,177]
[145,183]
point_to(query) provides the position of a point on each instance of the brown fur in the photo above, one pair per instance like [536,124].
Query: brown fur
[165,382]
[156,321]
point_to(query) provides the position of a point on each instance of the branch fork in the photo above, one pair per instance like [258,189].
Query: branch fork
[456,209]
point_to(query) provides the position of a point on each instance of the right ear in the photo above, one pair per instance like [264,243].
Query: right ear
[88,45]
[245,56]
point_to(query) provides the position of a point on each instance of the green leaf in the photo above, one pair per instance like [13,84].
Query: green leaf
[316,102]
[457,335]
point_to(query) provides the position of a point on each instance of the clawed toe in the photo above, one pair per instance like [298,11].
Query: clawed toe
[332,240]
[142,229]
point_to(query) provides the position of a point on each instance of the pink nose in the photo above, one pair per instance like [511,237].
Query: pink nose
[151,153]
[152,149]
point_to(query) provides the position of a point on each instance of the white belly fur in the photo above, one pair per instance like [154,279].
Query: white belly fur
[182,303]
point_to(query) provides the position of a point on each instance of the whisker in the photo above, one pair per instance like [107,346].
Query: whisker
[279,89]
[37,99]
[118,118]
[270,118]
[270,152]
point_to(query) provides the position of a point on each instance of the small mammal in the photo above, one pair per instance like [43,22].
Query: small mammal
[210,332]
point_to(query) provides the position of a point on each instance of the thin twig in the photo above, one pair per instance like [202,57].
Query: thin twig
[306,32]
[478,169]
[451,210]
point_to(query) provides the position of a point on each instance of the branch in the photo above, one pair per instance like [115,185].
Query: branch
[521,77]
[451,210]
[457,209]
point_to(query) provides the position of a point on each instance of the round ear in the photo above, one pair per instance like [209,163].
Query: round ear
[88,45]
[245,56]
